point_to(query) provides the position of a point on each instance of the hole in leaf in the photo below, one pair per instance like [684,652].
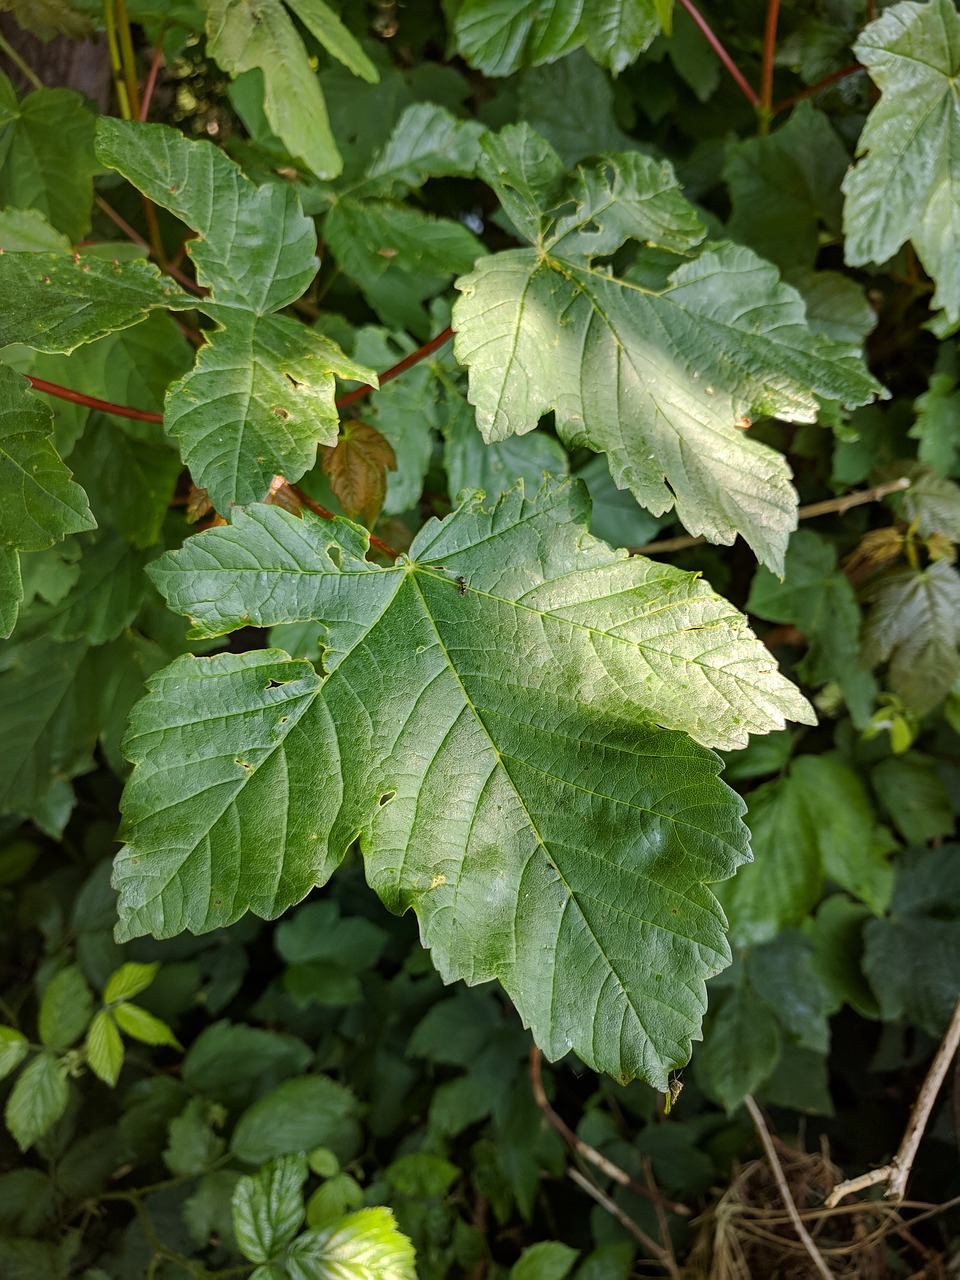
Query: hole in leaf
[244,764]
[335,554]
[274,684]
[387,797]
[293,382]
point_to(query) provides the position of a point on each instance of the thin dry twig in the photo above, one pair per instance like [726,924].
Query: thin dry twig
[655,1250]
[896,1173]
[584,1149]
[777,1169]
[831,506]
[662,1225]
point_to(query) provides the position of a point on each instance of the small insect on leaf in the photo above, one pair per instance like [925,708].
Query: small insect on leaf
[674,1089]
[462,586]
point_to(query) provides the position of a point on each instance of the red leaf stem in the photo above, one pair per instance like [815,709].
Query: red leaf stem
[811,89]
[721,52]
[769,52]
[407,362]
[135,236]
[151,82]
[91,402]
[324,514]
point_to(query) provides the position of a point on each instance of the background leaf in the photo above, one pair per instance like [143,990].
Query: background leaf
[904,185]
[37,1100]
[268,1207]
[46,156]
[363,1246]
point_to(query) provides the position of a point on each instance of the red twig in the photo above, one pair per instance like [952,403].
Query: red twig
[135,236]
[91,402]
[721,52]
[811,89]
[407,362]
[304,498]
[150,85]
[769,52]
[124,226]
[122,411]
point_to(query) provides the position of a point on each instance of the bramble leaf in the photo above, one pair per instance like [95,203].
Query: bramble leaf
[657,379]
[366,1245]
[37,1100]
[784,184]
[906,184]
[814,822]
[469,759]
[742,1049]
[128,981]
[104,1048]
[914,622]
[268,1207]
[65,1009]
[819,599]
[912,956]
[14,1047]
[143,1026]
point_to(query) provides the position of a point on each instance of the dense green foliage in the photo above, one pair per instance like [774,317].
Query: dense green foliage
[313,603]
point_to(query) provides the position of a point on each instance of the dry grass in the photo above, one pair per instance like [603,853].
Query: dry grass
[747,1234]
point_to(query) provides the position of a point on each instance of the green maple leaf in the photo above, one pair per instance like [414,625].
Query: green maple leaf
[462,759]
[657,378]
[261,396]
[906,185]
[55,302]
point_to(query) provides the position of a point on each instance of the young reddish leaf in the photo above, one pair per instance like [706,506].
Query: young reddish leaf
[357,466]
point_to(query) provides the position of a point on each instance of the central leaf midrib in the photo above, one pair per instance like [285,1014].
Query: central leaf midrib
[572,897]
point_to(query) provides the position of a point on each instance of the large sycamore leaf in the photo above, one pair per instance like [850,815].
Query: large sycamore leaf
[39,501]
[660,379]
[545,828]
[260,398]
[906,185]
